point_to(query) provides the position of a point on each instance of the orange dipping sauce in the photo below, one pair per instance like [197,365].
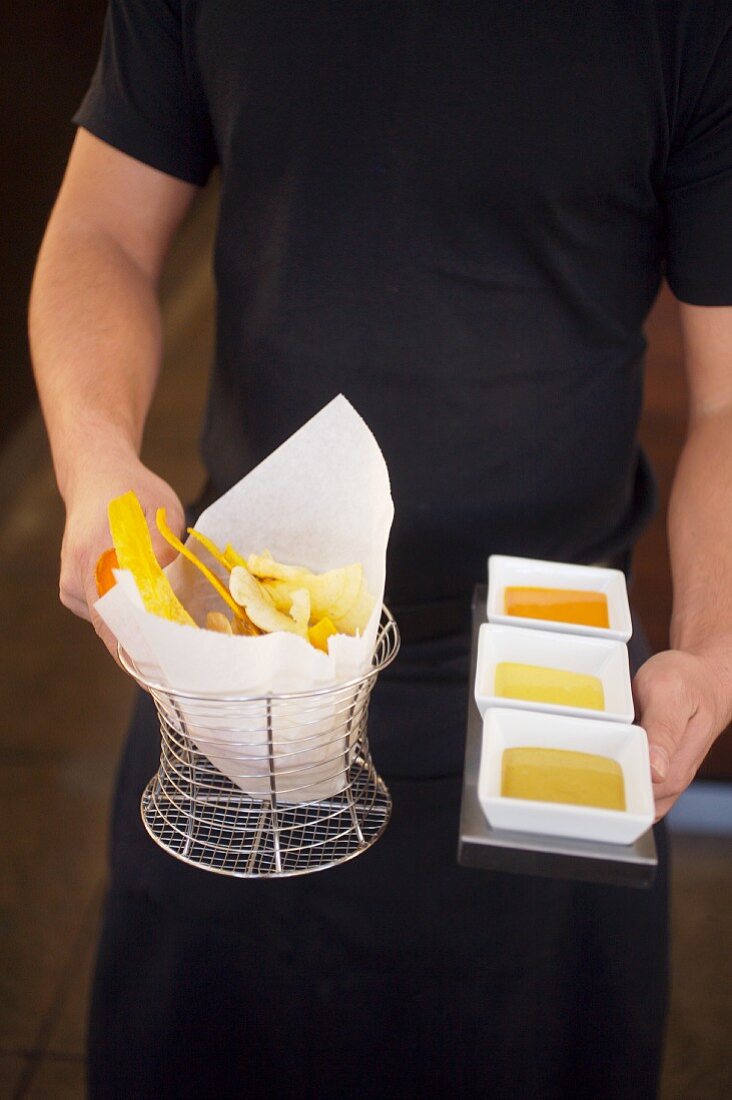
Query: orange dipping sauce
[560,605]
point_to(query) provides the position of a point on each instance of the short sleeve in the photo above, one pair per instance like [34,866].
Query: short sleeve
[144,98]
[698,190]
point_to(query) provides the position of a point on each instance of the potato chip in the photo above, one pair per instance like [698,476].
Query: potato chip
[300,607]
[350,578]
[265,595]
[217,621]
[133,544]
[254,598]
[332,594]
[356,619]
[264,565]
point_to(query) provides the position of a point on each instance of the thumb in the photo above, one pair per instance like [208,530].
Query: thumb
[664,711]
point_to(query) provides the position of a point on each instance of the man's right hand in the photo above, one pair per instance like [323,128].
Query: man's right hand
[86,534]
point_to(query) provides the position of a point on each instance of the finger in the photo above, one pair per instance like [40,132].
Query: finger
[95,618]
[663,805]
[164,552]
[74,603]
[665,712]
[698,739]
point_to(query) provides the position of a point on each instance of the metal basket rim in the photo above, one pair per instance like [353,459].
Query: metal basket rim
[386,623]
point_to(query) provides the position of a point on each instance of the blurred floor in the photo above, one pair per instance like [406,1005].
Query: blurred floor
[65,706]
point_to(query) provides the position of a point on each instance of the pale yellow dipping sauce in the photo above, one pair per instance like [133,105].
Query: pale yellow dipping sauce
[536,684]
[558,775]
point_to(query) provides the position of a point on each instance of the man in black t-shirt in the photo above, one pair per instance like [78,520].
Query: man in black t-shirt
[457,214]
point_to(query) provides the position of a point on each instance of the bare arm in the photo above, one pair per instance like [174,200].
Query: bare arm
[96,342]
[685,694]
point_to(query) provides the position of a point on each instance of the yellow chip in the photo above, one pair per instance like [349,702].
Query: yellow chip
[133,545]
[258,604]
[332,594]
[263,565]
[218,622]
[320,632]
[211,546]
[356,618]
[186,551]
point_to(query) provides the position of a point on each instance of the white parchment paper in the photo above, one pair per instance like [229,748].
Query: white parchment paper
[321,500]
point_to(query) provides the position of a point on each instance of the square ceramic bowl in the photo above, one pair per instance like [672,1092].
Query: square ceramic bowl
[600,657]
[505,728]
[504,572]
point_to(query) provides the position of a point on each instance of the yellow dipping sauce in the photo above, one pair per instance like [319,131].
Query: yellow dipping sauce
[560,605]
[536,684]
[558,775]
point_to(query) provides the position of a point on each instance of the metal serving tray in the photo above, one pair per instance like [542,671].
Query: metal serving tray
[525,853]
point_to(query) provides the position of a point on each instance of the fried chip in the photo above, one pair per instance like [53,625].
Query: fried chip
[211,546]
[355,620]
[263,565]
[264,595]
[103,574]
[218,622]
[319,633]
[256,601]
[232,558]
[186,551]
[333,595]
[300,607]
[133,545]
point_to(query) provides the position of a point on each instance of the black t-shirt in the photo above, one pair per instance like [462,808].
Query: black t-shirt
[458,215]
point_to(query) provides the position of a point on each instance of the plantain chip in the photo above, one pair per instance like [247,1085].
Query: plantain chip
[133,545]
[186,551]
[355,620]
[300,607]
[232,558]
[103,574]
[258,604]
[217,621]
[332,595]
[319,633]
[265,595]
[263,565]
[210,545]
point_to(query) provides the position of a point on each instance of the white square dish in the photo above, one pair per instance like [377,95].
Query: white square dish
[504,572]
[505,728]
[601,657]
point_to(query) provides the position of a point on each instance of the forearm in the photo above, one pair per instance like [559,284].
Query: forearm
[700,538]
[95,332]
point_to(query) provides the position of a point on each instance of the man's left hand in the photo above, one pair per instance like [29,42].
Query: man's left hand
[683,701]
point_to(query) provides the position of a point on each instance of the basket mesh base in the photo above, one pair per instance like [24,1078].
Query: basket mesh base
[215,826]
[290,752]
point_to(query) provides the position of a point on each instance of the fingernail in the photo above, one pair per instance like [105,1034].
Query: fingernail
[659,761]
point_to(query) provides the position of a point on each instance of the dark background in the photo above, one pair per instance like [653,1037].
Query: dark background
[47,53]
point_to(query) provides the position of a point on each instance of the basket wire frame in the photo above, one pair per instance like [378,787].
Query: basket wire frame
[267,786]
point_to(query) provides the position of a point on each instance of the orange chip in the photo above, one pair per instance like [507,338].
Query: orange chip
[103,573]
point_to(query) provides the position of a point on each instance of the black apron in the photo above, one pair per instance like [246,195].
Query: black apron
[399,974]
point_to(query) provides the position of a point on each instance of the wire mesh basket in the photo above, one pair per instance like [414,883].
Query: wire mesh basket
[265,786]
